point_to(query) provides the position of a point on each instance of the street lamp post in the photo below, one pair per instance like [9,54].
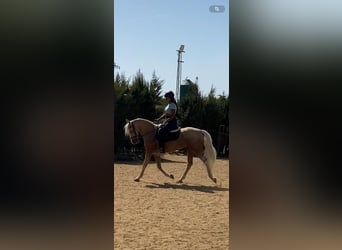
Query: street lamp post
[179,70]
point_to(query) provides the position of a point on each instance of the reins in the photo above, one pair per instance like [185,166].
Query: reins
[137,135]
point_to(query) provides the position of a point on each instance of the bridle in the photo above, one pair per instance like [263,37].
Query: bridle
[136,135]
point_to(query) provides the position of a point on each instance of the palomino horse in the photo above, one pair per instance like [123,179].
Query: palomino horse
[197,142]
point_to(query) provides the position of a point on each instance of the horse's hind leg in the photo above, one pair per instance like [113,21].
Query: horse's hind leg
[146,160]
[158,160]
[190,158]
[210,174]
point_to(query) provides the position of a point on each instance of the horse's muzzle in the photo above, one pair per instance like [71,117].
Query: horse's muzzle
[135,141]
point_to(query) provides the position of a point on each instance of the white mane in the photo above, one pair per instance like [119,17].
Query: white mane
[126,130]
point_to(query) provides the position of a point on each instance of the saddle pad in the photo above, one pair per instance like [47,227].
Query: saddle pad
[175,130]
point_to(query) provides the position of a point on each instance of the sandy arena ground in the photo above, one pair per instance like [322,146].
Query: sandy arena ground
[158,213]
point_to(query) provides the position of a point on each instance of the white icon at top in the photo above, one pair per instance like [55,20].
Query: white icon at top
[216,8]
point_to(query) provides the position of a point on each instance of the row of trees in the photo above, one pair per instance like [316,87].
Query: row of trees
[138,97]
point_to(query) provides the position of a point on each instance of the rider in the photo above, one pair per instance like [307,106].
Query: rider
[170,121]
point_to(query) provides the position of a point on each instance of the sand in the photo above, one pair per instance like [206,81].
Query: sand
[158,213]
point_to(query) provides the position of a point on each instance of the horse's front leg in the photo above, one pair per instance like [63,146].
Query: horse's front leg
[157,156]
[190,162]
[146,161]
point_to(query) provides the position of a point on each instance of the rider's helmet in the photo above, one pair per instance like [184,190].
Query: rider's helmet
[169,94]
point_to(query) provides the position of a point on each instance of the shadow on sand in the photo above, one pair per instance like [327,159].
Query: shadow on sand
[205,189]
[140,162]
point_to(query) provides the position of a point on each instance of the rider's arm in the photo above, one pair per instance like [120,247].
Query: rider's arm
[170,116]
[161,117]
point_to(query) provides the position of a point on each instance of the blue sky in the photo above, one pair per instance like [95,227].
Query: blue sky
[147,34]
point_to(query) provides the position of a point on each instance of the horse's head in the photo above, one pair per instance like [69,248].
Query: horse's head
[131,132]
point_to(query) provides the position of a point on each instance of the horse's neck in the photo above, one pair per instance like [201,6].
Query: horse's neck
[145,126]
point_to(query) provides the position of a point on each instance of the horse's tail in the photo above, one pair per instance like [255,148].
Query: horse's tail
[209,150]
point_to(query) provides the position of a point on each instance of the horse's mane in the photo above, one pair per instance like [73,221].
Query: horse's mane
[126,129]
[142,119]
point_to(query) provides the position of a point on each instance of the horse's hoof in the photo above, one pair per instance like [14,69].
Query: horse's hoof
[179,181]
[171,176]
[136,179]
[214,180]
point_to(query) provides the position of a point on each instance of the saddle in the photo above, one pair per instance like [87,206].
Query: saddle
[171,135]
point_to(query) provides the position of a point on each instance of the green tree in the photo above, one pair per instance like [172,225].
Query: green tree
[191,108]
[205,112]
[138,98]
[213,114]
[120,90]
[144,96]
[155,87]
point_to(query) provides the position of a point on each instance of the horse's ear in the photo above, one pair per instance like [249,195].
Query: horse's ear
[127,121]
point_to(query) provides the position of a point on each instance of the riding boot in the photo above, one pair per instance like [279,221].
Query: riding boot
[161,147]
